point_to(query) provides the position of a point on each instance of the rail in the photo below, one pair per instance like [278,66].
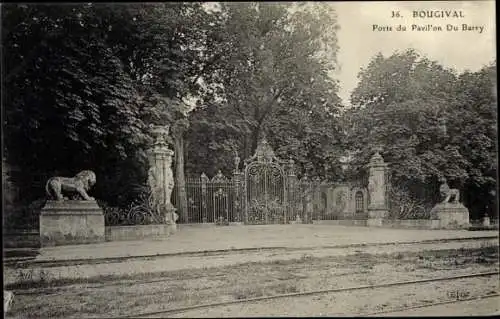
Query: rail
[307,293]
[446,302]
[26,263]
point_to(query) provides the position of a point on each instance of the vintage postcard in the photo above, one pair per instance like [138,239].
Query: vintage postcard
[250,159]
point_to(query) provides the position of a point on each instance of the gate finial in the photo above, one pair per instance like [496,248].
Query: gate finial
[219,177]
[377,158]
[236,163]
[264,151]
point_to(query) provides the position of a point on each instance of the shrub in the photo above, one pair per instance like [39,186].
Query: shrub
[404,206]
[141,211]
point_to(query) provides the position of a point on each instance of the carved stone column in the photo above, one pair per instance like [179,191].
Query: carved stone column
[377,209]
[160,175]
[291,181]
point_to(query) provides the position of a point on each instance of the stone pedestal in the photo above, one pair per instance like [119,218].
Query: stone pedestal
[376,216]
[377,209]
[71,222]
[451,215]
[171,217]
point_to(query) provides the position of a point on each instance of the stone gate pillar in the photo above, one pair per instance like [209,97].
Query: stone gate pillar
[204,180]
[377,209]
[291,189]
[160,175]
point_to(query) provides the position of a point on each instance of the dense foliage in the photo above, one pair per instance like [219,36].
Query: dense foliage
[272,80]
[82,83]
[430,122]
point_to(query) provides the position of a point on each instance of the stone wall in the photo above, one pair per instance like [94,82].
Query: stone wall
[412,223]
[138,232]
[341,222]
[341,203]
[422,224]
[391,223]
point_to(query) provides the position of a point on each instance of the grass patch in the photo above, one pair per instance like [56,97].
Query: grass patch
[247,293]
[285,288]
[269,290]
[486,250]
[458,258]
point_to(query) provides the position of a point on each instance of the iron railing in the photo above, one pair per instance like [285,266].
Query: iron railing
[211,200]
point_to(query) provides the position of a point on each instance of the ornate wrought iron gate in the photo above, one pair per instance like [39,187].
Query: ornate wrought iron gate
[267,191]
[265,187]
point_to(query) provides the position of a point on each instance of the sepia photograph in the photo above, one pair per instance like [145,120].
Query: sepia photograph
[249,159]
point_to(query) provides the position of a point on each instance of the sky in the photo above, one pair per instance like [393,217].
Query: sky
[461,50]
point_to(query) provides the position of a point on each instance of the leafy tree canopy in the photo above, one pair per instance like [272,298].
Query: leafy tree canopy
[430,121]
[271,80]
[82,83]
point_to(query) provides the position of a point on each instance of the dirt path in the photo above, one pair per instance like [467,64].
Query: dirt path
[173,263]
[195,286]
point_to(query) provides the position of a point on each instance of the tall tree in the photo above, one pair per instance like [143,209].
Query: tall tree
[84,81]
[420,113]
[273,80]
[178,131]
[65,91]
[474,129]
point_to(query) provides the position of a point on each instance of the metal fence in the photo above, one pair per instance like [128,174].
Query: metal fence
[210,200]
[228,199]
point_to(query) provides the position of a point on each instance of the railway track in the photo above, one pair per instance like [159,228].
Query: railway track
[33,286]
[257,301]
[427,305]
[27,262]
[322,292]
[30,288]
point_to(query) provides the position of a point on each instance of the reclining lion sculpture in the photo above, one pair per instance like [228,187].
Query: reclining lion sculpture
[78,185]
[448,193]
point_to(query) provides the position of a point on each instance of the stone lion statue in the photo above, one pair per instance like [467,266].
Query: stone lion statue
[448,193]
[78,185]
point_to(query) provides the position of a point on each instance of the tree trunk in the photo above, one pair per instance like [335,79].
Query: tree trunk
[246,147]
[180,177]
[255,139]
